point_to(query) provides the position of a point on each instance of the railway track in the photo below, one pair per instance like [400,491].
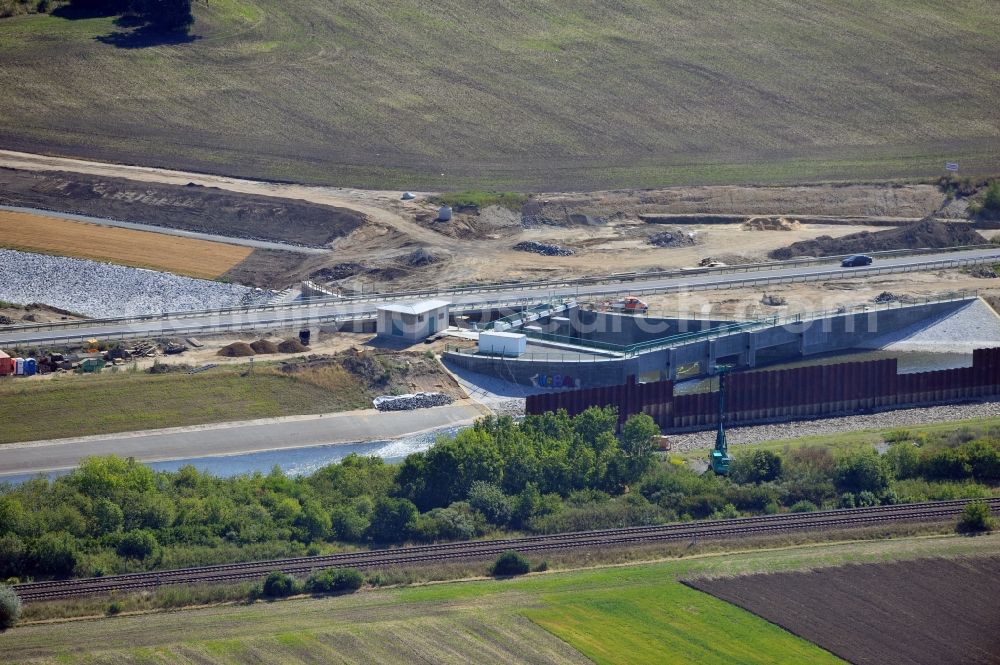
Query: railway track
[702,530]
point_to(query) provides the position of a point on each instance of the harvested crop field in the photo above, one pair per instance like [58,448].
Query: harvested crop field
[567,95]
[929,611]
[140,249]
[188,208]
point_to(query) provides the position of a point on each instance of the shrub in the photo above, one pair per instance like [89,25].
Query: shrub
[976,518]
[114,607]
[509,564]
[334,580]
[54,554]
[803,506]
[490,500]
[991,200]
[897,436]
[279,585]
[861,472]
[138,544]
[10,607]
[757,466]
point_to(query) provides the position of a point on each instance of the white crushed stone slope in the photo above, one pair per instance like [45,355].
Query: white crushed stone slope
[106,290]
[975,326]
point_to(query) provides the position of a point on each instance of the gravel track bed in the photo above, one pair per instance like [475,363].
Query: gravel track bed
[736,436]
[106,290]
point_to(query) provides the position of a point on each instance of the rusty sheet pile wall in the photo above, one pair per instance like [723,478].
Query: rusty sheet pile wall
[805,392]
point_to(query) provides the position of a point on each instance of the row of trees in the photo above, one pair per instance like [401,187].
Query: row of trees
[546,474]
[167,15]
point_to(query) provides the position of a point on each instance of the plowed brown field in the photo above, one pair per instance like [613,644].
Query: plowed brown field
[931,611]
[184,256]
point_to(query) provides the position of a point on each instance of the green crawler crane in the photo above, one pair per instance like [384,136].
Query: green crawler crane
[720,458]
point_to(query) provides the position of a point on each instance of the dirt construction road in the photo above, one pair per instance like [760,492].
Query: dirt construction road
[478,248]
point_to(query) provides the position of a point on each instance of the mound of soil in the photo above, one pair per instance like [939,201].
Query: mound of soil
[770,224]
[543,248]
[264,346]
[926,234]
[189,207]
[339,271]
[421,257]
[292,346]
[236,350]
[671,238]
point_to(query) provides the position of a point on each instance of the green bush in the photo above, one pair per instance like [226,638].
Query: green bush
[509,564]
[861,472]
[334,580]
[803,507]
[976,518]
[756,466]
[114,607]
[490,500]
[139,544]
[279,585]
[991,200]
[10,607]
[54,554]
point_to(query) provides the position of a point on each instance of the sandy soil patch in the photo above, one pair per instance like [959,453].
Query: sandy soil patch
[184,256]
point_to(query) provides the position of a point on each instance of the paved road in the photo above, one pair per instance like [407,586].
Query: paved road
[298,315]
[152,228]
[234,438]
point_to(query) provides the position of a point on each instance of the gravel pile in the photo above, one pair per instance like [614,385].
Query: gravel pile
[106,290]
[534,221]
[736,436]
[411,402]
[543,248]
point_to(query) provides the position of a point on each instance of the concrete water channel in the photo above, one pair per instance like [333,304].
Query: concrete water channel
[585,348]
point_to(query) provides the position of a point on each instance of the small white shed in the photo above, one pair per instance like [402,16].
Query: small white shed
[413,321]
[503,343]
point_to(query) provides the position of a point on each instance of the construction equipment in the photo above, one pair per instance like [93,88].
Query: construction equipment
[630,305]
[720,458]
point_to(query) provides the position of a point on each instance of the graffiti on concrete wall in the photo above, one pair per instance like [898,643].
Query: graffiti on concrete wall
[555,381]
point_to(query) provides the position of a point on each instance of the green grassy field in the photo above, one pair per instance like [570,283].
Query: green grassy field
[628,614]
[103,404]
[848,441]
[583,94]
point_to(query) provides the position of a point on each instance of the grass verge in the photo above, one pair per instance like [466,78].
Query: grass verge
[69,405]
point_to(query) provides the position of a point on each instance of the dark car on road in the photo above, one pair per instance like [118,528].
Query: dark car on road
[856,261]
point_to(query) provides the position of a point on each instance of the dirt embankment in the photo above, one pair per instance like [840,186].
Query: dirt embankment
[190,208]
[925,234]
[723,201]
[11,314]
[381,373]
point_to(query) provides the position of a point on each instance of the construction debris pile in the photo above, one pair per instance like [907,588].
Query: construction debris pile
[105,290]
[885,297]
[543,248]
[672,238]
[411,402]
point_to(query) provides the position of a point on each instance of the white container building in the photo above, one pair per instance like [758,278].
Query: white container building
[507,344]
[415,321]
